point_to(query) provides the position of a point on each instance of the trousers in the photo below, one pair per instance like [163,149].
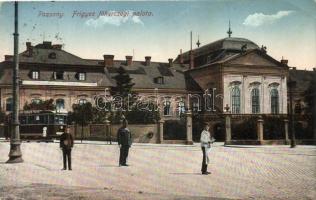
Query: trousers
[123,154]
[67,157]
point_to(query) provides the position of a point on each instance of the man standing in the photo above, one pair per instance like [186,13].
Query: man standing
[124,139]
[66,143]
[205,145]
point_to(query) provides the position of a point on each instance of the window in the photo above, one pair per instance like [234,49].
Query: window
[82,101]
[59,75]
[181,108]
[60,104]
[167,107]
[36,101]
[235,96]
[35,75]
[274,101]
[9,104]
[81,76]
[159,80]
[255,100]
[52,55]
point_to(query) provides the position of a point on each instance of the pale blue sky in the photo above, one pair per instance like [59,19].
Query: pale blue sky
[286,27]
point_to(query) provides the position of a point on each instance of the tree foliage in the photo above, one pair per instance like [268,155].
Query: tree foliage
[42,105]
[81,114]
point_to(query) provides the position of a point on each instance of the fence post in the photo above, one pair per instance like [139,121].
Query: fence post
[160,130]
[260,129]
[286,131]
[228,134]
[189,127]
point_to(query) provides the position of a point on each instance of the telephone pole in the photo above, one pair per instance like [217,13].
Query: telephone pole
[15,155]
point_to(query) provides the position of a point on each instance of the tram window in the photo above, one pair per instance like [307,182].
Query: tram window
[59,119]
[50,119]
[23,119]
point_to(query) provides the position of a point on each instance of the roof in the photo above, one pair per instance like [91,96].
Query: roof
[142,75]
[231,44]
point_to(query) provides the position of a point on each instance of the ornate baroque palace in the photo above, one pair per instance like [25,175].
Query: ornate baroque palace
[237,76]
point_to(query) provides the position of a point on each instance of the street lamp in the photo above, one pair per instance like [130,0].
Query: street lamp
[15,155]
[291,84]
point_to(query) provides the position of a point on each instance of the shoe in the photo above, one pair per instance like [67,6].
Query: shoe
[125,165]
[208,172]
[70,169]
[63,169]
[204,173]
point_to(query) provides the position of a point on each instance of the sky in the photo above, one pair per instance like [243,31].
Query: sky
[161,28]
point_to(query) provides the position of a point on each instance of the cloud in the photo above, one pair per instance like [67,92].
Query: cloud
[115,18]
[258,19]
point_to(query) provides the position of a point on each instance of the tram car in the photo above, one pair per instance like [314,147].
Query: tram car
[42,125]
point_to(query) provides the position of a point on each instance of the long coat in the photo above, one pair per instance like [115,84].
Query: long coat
[206,141]
[124,137]
[66,141]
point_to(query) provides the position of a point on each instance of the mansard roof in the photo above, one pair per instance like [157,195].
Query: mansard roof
[142,75]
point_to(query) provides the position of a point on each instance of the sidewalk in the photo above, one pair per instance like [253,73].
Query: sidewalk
[163,172]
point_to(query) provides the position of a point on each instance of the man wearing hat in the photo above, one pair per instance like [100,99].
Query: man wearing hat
[66,143]
[124,139]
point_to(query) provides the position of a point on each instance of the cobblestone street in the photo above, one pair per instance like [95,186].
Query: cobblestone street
[160,172]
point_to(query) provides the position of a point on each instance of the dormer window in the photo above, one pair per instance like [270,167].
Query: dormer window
[52,55]
[81,76]
[59,75]
[159,80]
[35,74]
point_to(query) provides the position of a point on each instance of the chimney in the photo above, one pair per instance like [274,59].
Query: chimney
[314,69]
[7,57]
[284,62]
[29,49]
[147,60]
[181,57]
[170,62]
[129,60]
[108,60]
[191,66]
[57,46]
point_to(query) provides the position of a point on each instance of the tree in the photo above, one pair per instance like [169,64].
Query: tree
[122,90]
[41,105]
[81,114]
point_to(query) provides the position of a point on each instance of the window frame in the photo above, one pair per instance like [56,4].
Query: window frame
[274,101]
[235,99]
[33,72]
[255,100]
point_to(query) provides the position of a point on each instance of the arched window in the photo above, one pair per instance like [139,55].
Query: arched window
[167,107]
[60,104]
[235,97]
[255,100]
[181,108]
[274,101]
[9,104]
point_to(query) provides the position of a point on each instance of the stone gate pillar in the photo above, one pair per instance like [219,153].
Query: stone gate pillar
[108,130]
[228,134]
[260,129]
[160,130]
[286,131]
[189,127]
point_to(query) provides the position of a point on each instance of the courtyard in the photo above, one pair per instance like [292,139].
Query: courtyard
[159,171]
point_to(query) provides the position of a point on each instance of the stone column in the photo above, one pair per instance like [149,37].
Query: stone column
[286,131]
[260,129]
[189,127]
[228,134]
[107,130]
[160,130]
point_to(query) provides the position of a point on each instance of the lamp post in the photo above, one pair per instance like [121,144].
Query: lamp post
[291,84]
[15,155]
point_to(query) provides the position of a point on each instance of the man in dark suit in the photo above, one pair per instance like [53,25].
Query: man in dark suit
[66,143]
[124,139]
